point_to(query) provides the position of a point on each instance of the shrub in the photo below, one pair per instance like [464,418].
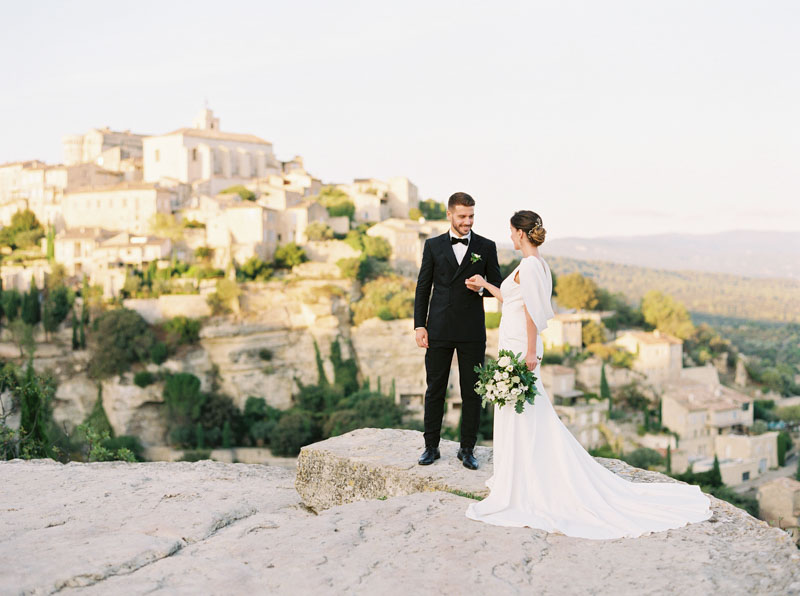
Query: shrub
[193,455]
[643,457]
[289,255]
[182,330]
[159,352]
[143,378]
[592,333]
[319,231]
[122,338]
[254,269]
[11,300]
[244,193]
[265,354]
[336,201]
[295,429]
[387,297]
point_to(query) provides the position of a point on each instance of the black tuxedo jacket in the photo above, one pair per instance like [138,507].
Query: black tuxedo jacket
[454,312]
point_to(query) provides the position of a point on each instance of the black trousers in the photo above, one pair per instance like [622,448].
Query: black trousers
[438,358]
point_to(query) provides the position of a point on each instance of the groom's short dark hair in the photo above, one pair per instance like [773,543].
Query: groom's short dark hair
[460,198]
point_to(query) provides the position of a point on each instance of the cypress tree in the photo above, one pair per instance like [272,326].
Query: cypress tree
[227,435]
[199,436]
[34,414]
[716,475]
[82,336]
[323,380]
[669,458]
[605,390]
[75,343]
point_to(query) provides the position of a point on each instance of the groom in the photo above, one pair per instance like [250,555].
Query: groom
[453,319]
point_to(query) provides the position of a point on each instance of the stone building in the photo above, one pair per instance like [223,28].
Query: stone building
[407,239]
[41,188]
[124,207]
[206,157]
[377,200]
[103,146]
[563,330]
[658,356]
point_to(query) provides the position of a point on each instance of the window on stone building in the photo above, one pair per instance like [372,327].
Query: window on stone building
[194,154]
[745,476]
[158,155]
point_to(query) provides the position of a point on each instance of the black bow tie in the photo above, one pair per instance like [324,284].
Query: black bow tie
[464,240]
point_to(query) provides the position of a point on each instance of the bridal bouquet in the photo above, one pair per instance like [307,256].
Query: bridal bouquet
[506,380]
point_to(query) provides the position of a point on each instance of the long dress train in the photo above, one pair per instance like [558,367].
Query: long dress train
[543,477]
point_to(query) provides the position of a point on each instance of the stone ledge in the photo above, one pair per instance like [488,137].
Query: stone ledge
[371,463]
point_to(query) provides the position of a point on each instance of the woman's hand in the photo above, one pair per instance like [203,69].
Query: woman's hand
[531,360]
[475,283]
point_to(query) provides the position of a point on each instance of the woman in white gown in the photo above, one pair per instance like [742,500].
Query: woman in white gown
[543,478]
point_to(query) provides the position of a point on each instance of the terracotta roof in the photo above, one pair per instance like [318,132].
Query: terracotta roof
[204,133]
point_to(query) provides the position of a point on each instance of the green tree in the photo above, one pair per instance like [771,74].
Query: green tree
[336,201]
[592,332]
[122,338]
[432,210]
[35,414]
[669,459]
[23,231]
[56,306]
[576,291]
[31,307]
[22,333]
[716,475]
[377,247]
[784,444]
[97,418]
[11,302]
[294,430]
[666,314]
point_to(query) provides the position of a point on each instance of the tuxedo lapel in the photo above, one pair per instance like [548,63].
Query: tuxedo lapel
[447,248]
[471,247]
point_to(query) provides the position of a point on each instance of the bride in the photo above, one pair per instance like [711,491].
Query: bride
[543,478]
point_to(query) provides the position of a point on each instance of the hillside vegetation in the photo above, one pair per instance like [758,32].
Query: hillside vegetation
[724,295]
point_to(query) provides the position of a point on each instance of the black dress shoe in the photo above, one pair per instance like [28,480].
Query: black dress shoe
[467,458]
[429,456]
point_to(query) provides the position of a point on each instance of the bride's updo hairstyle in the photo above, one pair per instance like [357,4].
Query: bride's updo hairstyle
[530,223]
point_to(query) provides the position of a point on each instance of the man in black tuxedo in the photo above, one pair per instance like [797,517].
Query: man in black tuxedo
[453,319]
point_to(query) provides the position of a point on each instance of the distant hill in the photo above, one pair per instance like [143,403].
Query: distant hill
[744,253]
[705,293]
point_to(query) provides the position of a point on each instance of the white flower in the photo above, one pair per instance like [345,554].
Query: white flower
[504,361]
[509,368]
[505,375]
[497,375]
[516,391]
[515,379]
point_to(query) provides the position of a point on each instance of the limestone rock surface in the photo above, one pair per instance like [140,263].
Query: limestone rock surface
[215,528]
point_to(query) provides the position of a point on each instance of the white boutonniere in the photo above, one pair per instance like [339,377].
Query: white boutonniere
[475,257]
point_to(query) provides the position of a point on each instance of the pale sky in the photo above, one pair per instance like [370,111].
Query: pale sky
[605,117]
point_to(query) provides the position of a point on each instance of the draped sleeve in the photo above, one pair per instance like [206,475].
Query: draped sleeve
[536,285]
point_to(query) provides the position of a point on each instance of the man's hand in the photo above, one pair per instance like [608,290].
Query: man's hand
[422,337]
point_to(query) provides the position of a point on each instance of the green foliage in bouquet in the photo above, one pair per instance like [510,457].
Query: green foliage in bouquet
[506,380]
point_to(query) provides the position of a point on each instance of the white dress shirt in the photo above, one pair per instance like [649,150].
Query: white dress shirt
[460,249]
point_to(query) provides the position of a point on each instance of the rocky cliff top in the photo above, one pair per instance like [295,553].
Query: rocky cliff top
[385,526]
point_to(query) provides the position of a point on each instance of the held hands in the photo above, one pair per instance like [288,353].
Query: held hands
[475,283]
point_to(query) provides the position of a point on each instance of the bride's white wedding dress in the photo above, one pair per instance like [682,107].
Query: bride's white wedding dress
[543,478]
